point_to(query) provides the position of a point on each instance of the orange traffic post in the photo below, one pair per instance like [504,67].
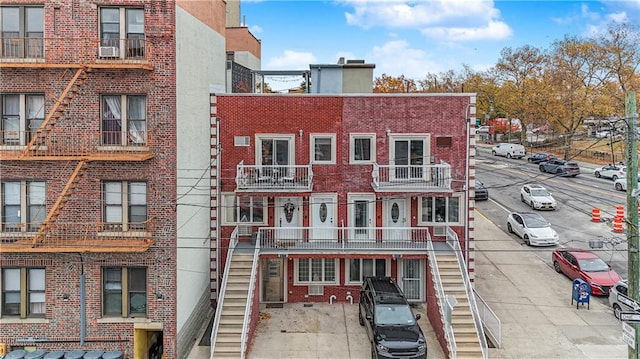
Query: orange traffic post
[620,211]
[595,214]
[617,225]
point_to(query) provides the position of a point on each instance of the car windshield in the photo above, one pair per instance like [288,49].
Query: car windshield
[534,221]
[394,315]
[540,192]
[593,265]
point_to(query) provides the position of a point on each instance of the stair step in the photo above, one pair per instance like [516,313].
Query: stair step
[229,312]
[232,321]
[228,338]
[467,339]
[229,330]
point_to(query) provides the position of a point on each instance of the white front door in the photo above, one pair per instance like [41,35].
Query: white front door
[323,217]
[288,217]
[361,216]
[396,219]
[411,278]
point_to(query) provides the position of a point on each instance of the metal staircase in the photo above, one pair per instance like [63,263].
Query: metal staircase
[39,137]
[67,191]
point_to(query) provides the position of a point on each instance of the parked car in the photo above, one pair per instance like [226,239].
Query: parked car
[541,157]
[482,193]
[532,228]
[620,301]
[560,167]
[586,265]
[508,150]
[610,171]
[537,197]
[621,184]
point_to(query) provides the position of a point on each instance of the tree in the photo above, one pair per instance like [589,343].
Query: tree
[389,84]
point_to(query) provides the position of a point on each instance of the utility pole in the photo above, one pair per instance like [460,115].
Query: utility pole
[633,241]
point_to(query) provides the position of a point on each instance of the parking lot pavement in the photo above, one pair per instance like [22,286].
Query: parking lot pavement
[321,330]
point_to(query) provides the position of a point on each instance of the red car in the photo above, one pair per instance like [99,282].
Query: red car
[586,265]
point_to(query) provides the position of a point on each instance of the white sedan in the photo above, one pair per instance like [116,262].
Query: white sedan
[621,184]
[532,228]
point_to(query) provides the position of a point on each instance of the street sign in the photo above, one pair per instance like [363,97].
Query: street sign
[633,317]
[628,301]
[629,335]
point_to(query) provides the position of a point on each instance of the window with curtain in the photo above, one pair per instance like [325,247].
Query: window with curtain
[19,283]
[10,119]
[23,205]
[244,209]
[124,120]
[35,114]
[444,210]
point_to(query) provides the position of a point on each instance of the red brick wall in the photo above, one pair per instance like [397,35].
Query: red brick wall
[63,270]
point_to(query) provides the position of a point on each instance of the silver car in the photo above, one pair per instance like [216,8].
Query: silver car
[532,228]
[620,301]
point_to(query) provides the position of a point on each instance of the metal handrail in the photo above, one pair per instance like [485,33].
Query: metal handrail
[452,240]
[448,329]
[233,242]
[490,321]
[249,306]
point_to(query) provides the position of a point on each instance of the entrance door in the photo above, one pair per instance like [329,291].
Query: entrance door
[362,217]
[411,278]
[288,217]
[395,219]
[408,158]
[273,279]
[323,217]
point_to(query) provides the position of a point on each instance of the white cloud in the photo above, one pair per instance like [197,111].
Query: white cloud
[414,65]
[255,29]
[442,17]
[291,60]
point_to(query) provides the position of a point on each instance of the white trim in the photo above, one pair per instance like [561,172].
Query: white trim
[347,269]
[223,210]
[312,153]
[386,210]
[296,266]
[352,139]
[426,140]
[351,199]
[421,271]
[461,207]
[275,136]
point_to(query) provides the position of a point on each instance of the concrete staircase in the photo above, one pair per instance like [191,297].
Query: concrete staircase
[467,342]
[229,335]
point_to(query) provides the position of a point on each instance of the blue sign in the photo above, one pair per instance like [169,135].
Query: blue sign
[581,293]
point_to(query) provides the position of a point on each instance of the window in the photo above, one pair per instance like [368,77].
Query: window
[23,292]
[323,148]
[124,291]
[360,268]
[124,205]
[122,29]
[440,210]
[22,31]
[23,205]
[409,154]
[316,271]
[244,209]
[22,115]
[124,120]
[362,148]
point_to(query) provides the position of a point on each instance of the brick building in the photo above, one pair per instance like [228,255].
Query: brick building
[105,159]
[316,192]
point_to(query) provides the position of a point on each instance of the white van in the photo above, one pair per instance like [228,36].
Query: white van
[508,150]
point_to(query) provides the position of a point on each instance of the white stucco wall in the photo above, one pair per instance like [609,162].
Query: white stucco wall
[200,62]
[247,59]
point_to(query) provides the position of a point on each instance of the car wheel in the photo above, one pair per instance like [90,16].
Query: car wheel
[509,227]
[618,187]
[556,267]
[531,204]
[542,169]
[615,178]
[360,320]
[559,171]
[526,240]
[529,160]
[493,153]
[508,155]
[597,174]
[616,311]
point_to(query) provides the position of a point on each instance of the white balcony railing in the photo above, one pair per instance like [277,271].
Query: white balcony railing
[341,238]
[274,177]
[398,178]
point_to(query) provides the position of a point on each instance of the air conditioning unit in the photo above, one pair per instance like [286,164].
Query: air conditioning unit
[316,290]
[108,51]
[439,231]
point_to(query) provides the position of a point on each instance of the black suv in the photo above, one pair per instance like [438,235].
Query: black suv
[391,325]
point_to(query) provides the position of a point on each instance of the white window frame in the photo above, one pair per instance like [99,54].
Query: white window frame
[21,138]
[347,268]
[229,199]
[25,206]
[352,147]
[426,142]
[124,224]
[336,274]
[446,221]
[312,148]
[272,136]
[26,290]
[129,136]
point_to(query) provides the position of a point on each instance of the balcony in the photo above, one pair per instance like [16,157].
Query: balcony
[274,178]
[75,145]
[32,52]
[76,237]
[342,239]
[411,178]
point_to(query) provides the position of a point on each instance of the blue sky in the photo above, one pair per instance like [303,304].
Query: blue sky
[412,38]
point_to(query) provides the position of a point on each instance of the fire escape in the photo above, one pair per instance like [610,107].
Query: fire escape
[75,150]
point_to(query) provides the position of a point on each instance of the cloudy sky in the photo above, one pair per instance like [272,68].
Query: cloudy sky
[412,38]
